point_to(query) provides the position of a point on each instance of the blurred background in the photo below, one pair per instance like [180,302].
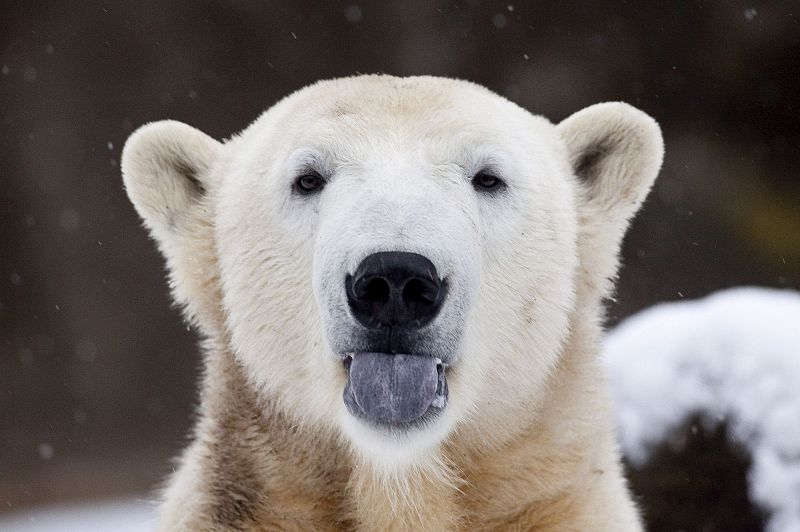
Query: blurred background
[97,371]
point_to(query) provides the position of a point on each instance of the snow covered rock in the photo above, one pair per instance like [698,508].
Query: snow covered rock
[733,356]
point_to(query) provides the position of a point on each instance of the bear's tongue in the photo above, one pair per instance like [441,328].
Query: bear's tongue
[388,388]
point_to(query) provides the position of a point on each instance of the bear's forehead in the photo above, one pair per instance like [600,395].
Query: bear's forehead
[375,110]
[390,100]
[392,95]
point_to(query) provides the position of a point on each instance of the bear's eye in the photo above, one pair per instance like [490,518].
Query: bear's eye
[309,183]
[487,182]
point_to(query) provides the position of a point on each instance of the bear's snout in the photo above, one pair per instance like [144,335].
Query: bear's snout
[395,289]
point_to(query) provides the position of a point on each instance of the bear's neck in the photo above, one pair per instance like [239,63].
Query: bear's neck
[288,477]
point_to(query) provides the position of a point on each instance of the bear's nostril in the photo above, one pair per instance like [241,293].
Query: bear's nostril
[376,290]
[417,291]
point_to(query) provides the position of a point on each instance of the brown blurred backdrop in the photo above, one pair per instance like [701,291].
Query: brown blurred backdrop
[97,372]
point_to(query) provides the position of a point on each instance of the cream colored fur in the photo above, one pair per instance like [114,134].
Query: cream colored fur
[527,440]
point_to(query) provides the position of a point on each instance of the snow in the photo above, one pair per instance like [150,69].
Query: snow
[353,13]
[122,515]
[734,355]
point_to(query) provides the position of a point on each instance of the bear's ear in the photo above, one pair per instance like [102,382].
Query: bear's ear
[165,169]
[616,151]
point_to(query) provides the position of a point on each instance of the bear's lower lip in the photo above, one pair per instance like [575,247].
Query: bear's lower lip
[394,389]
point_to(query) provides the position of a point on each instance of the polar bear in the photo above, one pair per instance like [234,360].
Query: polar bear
[400,285]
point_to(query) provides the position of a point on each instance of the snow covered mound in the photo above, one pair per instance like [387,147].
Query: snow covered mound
[734,355]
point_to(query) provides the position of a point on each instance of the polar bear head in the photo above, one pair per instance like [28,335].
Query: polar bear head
[397,260]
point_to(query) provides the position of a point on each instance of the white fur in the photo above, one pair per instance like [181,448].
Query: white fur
[399,154]
[400,185]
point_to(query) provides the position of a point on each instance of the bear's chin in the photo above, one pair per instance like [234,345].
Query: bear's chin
[394,448]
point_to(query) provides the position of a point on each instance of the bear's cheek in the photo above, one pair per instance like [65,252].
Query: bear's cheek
[514,334]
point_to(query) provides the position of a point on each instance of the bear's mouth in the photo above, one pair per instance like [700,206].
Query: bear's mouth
[394,389]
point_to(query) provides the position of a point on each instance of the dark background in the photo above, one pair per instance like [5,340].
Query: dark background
[97,372]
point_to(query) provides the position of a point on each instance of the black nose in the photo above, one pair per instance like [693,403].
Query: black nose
[396,289]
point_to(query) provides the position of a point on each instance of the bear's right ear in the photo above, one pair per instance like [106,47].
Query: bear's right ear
[165,169]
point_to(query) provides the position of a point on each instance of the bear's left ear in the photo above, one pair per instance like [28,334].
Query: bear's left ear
[165,169]
[616,151]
